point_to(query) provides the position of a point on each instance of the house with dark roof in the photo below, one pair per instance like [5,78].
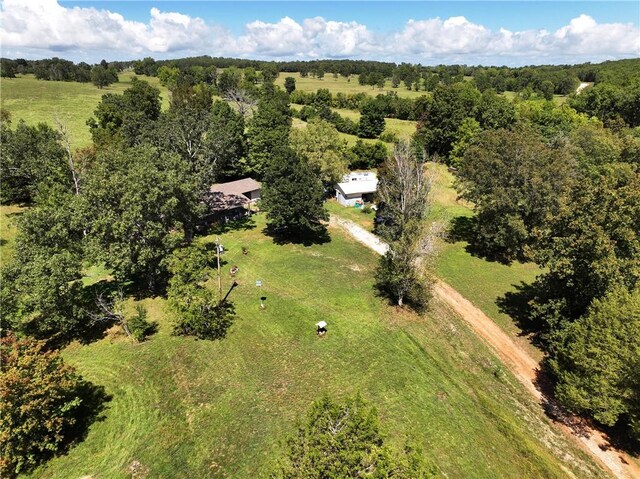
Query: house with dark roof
[232,200]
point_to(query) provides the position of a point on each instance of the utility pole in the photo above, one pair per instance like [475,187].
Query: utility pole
[219,275]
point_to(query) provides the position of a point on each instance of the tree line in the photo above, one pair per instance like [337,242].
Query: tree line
[566,197]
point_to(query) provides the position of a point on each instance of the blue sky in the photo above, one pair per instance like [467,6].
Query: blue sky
[499,32]
[384,15]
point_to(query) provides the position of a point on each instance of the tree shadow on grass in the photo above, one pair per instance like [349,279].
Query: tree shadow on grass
[241,224]
[93,404]
[617,436]
[462,228]
[320,235]
[517,305]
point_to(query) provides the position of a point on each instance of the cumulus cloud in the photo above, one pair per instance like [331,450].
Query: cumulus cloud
[44,24]
[40,27]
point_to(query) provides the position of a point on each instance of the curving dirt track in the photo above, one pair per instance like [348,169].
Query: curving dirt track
[519,362]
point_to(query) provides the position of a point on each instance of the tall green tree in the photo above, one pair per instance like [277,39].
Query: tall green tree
[268,131]
[41,291]
[197,310]
[371,122]
[449,106]
[588,247]
[343,439]
[229,80]
[225,144]
[289,84]
[514,182]
[293,197]
[550,120]
[139,205]
[126,117]
[320,145]
[597,361]
[30,156]
[103,76]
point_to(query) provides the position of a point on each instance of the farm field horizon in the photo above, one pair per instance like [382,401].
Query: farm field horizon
[474,314]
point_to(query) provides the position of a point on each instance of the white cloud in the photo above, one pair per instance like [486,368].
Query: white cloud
[39,28]
[44,24]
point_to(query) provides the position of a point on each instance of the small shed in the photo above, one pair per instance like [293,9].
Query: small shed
[357,188]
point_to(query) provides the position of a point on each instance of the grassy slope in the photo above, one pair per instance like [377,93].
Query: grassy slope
[187,408]
[480,281]
[403,128]
[37,101]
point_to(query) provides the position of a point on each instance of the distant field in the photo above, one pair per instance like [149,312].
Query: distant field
[403,128]
[187,408]
[344,85]
[37,101]
[558,99]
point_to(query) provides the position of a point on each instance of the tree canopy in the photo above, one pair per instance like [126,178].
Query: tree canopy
[343,439]
[45,404]
[597,361]
[515,182]
[293,197]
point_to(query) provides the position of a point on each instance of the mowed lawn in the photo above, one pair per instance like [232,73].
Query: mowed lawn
[186,408]
[480,281]
[344,85]
[36,101]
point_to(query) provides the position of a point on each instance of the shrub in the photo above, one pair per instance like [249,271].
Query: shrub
[338,440]
[389,136]
[44,404]
[138,325]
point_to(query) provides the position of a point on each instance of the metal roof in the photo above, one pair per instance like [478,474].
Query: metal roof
[237,187]
[358,187]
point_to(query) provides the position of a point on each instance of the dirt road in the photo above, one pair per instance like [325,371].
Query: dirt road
[519,362]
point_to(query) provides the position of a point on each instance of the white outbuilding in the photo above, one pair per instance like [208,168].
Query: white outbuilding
[357,188]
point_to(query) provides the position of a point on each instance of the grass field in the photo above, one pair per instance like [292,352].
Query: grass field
[188,408]
[36,101]
[8,231]
[479,280]
[343,85]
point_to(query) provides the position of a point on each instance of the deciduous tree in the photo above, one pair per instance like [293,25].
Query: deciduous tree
[514,182]
[137,202]
[44,401]
[268,131]
[371,121]
[196,309]
[293,197]
[320,145]
[597,360]
[289,84]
